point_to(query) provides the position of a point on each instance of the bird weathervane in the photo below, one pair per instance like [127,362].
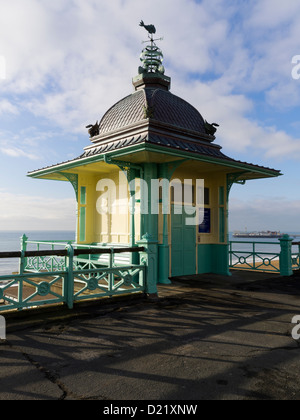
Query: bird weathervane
[151,31]
[149,28]
[151,56]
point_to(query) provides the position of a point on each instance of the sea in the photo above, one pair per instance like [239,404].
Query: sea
[11,240]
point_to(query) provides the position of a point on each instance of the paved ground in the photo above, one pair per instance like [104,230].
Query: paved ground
[207,337]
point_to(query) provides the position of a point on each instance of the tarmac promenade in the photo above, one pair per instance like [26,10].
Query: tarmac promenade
[207,337]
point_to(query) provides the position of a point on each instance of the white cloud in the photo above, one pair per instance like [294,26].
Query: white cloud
[69,61]
[33,143]
[237,133]
[273,13]
[19,211]
[7,107]
[276,213]
[17,152]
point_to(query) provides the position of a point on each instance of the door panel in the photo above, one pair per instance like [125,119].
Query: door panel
[183,255]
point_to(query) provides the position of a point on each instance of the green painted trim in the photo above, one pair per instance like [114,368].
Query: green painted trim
[183,250]
[83,196]
[204,259]
[65,166]
[232,179]
[213,258]
[82,224]
[150,147]
[208,159]
[149,220]
[221,224]
[221,259]
[73,179]
[221,196]
[163,264]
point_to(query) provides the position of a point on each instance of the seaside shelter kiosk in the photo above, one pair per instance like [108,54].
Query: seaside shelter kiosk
[153,175]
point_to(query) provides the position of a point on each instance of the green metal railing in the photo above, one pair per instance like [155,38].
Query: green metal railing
[254,259]
[42,263]
[296,256]
[56,277]
[258,256]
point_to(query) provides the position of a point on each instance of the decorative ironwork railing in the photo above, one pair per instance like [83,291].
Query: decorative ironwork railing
[42,263]
[296,256]
[31,290]
[254,256]
[93,260]
[282,256]
[57,277]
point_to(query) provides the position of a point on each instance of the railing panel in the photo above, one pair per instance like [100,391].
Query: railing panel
[31,290]
[296,256]
[89,284]
[284,259]
[255,257]
[42,264]
[69,275]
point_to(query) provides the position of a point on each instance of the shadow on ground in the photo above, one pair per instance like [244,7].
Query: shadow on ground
[206,338]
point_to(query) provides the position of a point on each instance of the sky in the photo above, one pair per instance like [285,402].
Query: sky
[64,63]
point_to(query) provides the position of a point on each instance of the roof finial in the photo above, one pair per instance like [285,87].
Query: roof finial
[152,56]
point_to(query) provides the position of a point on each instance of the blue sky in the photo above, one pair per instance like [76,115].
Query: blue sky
[68,61]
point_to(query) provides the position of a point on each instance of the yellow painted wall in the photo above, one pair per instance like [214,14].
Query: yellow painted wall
[213,181]
[114,226]
[106,208]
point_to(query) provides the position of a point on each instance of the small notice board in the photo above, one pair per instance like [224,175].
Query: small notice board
[204,220]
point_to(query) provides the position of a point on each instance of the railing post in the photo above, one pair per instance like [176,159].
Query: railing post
[150,258]
[69,278]
[24,240]
[111,274]
[286,268]
[22,263]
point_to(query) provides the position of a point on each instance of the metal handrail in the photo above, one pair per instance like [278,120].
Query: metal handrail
[64,252]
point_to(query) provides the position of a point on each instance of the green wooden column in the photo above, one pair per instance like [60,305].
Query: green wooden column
[149,227]
[163,248]
[149,219]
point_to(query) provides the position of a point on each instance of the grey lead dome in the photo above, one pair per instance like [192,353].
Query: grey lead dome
[162,105]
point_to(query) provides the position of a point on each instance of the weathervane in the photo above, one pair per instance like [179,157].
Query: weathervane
[152,56]
[151,31]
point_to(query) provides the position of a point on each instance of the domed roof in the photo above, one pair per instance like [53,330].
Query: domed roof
[154,103]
